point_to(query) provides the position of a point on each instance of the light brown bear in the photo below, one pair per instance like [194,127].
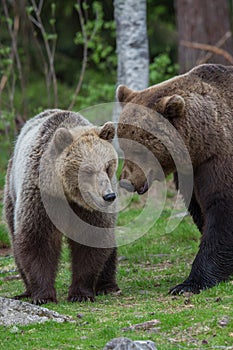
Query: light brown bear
[199,105]
[61,148]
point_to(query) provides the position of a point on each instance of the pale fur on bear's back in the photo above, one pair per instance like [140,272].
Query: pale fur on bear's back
[32,137]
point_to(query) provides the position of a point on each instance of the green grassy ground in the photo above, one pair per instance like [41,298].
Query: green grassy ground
[147,269]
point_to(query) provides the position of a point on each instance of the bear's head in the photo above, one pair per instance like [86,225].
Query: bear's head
[147,135]
[86,163]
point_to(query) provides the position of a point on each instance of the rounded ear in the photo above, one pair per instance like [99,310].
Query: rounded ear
[123,93]
[173,106]
[62,139]
[107,131]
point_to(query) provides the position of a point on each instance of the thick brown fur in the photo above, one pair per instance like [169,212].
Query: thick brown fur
[199,104]
[74,143]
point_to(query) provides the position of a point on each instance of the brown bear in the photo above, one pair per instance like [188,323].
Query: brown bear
[61,148]
[198,105]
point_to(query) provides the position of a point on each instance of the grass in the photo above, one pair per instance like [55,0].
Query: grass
[147,269]
[4,237]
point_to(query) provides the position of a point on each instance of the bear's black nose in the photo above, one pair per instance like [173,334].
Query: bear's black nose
[110,197]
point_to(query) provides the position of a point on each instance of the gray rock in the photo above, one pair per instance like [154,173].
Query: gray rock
[15,312]
[113,344]
[146,344]
[128,344]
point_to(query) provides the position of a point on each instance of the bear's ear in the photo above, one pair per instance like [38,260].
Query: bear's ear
[123,93]
[62,139]
[173,106]
[107,131]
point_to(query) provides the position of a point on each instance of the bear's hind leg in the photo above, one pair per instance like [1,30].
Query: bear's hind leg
[27,292]
[106,282]
[8,213]
[37,251]
[214,261]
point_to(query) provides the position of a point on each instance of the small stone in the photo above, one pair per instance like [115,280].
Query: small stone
[224,321]
[14,330]
[128,344]
[122,258]
[145,344]
[217,300]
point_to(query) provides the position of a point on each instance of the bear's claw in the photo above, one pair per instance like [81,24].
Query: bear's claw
[40,301]
[80,298]
[185,287]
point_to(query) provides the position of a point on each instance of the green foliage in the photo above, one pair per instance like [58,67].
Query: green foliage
[6,141]
[94,92]
[161,25]
[5,60]
[101,53]
[162,69]
[4,235]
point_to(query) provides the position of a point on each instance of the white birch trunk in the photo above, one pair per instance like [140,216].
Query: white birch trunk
[132,43]
[132,46]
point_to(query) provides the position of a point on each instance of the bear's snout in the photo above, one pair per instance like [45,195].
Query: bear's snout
[109,197]
[127,185]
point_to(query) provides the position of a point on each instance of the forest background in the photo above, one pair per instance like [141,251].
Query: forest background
[64,55]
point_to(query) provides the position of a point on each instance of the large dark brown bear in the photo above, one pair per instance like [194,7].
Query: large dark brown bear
[63,165]
[199,105]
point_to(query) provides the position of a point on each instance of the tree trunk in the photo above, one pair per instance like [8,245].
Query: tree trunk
[132,43]
[205,22]
[132,48]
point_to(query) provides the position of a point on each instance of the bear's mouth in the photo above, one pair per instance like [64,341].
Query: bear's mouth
[127,185]
[96,202]
[148,182]
[143,189]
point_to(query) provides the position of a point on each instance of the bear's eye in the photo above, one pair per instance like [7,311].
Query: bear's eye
[110,170]
[88,170]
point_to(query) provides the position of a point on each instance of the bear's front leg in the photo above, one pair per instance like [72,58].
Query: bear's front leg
[106,282]
[214,261]
[87,264]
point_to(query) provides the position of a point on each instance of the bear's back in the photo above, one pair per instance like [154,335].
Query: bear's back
[214,74]
[33,140]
